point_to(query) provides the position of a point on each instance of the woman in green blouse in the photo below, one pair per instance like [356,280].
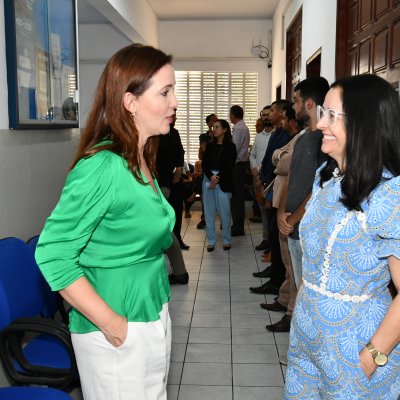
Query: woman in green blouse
[102,247]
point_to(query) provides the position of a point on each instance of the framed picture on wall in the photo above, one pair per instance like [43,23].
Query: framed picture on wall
[41,63]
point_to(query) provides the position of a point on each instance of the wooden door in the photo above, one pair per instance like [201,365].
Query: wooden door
[368,38]
[293,54]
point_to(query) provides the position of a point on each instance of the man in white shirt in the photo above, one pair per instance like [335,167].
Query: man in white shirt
[241,138]
[256,156]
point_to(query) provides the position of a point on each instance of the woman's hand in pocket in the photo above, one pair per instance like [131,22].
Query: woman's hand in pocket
[367,363]
[116,330]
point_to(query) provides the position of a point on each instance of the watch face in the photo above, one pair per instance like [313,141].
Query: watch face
[381,359]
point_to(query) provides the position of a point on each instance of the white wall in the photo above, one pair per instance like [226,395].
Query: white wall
[33,167]
[318,31]
[134,18]
[97,43]
[216,45]
[140,17]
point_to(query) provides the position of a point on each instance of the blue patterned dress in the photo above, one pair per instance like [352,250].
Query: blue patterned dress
[344,295]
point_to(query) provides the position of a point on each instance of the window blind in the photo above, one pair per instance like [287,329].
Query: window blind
[203,93]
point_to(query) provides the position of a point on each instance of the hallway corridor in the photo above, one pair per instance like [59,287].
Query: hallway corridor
[221,349]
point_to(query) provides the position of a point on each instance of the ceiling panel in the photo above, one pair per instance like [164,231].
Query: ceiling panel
[213,9]
[192,9]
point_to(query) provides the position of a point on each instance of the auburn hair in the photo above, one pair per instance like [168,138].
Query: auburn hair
[128,70]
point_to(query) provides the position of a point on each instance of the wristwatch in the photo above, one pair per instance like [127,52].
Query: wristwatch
[380,359]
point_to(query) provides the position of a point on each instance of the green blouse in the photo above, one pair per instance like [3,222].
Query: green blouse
[113,230]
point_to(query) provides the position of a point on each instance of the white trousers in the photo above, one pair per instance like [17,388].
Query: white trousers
[137,370]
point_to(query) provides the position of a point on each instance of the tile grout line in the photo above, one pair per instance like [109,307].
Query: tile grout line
[191,318]
[230,317]
[274,333]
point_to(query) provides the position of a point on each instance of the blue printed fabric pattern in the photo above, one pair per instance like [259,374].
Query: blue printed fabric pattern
[344,295]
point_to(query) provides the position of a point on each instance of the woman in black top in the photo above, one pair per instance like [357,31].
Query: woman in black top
[218,162]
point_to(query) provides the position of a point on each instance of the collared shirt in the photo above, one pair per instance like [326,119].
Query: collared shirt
[258,149]
[278,139]
[241,138]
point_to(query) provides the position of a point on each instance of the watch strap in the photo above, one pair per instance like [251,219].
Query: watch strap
[380,359]
[371,348]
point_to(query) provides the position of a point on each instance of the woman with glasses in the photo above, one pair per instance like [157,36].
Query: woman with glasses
[345,334]
[218,163]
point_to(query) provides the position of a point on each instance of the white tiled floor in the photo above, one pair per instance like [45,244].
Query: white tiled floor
[221,349]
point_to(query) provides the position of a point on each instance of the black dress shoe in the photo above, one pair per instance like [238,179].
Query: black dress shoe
[266,273]
[210,248]
[184,246]
[237,232]
[281,326]
[264,245]
[266,288]
[201,224]
[275,306]
[178,279]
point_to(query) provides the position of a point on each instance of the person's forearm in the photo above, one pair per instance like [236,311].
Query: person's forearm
[81,295]
[387,335]
[252,156]
[282,200]
[253,161]
[285,228]
[300,211]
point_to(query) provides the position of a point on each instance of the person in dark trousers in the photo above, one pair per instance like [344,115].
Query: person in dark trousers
[307,157]
[169,155]
[278,139]
[170,159]
[241,138]
[256,156]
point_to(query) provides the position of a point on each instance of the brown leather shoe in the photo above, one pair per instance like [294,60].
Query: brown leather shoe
[275,306]
[281,326]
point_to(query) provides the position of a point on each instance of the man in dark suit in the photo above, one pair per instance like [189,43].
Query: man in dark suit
[170,157]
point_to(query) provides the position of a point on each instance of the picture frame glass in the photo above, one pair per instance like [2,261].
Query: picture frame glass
[42,69]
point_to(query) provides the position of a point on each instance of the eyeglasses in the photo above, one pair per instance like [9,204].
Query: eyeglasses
[330,115]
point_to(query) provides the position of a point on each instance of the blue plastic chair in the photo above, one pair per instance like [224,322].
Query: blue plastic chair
[32,393]
[51,303]
[53,300]
[45,356]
